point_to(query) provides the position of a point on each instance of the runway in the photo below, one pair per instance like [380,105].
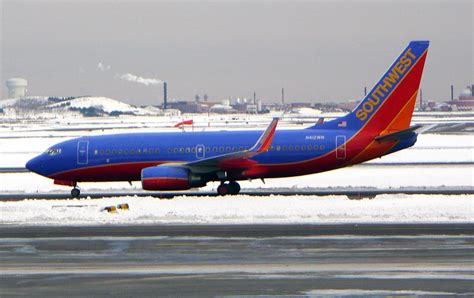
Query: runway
[352,193]
[211,260]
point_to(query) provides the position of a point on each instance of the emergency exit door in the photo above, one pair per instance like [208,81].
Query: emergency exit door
[82,152]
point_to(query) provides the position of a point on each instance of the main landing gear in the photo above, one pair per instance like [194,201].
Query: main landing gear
[231,188]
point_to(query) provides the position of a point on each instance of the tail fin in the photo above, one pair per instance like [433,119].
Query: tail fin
[389,106]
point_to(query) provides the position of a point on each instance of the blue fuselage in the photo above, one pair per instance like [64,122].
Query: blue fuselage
[121,157]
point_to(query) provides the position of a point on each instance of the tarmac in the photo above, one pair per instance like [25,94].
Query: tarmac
[210,260]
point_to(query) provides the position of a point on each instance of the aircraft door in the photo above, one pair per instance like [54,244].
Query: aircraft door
[200,151]
[82,152]
[341,147]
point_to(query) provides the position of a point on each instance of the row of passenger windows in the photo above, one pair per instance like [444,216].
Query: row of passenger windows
[222,149]
[297,148]
[126,151]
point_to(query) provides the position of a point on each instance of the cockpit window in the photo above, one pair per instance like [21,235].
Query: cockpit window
[53,151]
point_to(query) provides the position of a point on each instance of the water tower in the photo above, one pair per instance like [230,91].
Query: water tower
[16,87]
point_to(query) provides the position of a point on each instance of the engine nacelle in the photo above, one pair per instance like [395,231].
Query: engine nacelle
[166,177]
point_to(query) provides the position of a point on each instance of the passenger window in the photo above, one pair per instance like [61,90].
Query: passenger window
[145,151]
[120,151]
[290,148]
[139,151]
[272,148]
[125,152]
[297,148]
[96,152]
[227,149]
[241,148]
[181,150]
[221,149]
[132,151]
[188,150]
[310,147]
[278,148]
[102,151]
[214,149]
[175,150]
[207,150]
[284,148]
[303,147]
[321,147]
[114,152]
[157,151]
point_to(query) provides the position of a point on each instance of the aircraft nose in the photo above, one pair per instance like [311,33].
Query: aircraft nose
[35,165]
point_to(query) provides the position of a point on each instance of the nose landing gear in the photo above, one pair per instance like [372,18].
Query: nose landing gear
[75,192]
[231,188]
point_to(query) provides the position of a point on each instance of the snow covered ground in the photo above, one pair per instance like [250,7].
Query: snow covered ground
[242,210]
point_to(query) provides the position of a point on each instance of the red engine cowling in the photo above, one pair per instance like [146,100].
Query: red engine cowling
[169,178]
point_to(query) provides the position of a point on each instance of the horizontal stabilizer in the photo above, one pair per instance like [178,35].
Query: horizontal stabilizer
[400,135]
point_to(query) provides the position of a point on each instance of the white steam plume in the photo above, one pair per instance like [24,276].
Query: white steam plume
[102,67]
[140,80]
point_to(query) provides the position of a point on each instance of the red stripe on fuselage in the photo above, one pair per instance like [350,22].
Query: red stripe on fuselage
[103,173]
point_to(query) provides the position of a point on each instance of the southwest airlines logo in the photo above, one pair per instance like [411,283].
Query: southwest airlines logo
[394,75]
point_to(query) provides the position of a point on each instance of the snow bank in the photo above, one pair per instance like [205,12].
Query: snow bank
[108,105]
[242,210]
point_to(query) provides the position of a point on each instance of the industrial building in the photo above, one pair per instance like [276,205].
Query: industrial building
[465,102]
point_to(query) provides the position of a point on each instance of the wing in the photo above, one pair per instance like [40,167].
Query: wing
[235,160]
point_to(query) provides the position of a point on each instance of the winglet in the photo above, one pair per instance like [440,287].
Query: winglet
[265,140]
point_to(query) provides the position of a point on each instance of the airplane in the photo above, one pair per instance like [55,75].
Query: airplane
[378,126]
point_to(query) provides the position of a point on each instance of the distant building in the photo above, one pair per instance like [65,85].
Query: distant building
[465,101]
[16,87]
[348,106]
[188,106]
[222,109]
[301,105]
[252,109]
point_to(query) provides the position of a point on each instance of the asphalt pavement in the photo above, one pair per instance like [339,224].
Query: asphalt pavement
[213,260]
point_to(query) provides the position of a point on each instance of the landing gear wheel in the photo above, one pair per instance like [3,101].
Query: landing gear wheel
[223,189]
[234,188]
[75,192]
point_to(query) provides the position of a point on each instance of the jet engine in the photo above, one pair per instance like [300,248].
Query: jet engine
[166,177]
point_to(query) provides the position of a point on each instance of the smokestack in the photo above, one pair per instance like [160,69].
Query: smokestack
[283,96]
[452,92]
[165,95]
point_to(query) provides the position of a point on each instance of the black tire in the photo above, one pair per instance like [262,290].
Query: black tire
[75,192]
[234,188]
[223,189]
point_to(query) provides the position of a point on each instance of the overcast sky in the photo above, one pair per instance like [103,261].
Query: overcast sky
[317,50]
